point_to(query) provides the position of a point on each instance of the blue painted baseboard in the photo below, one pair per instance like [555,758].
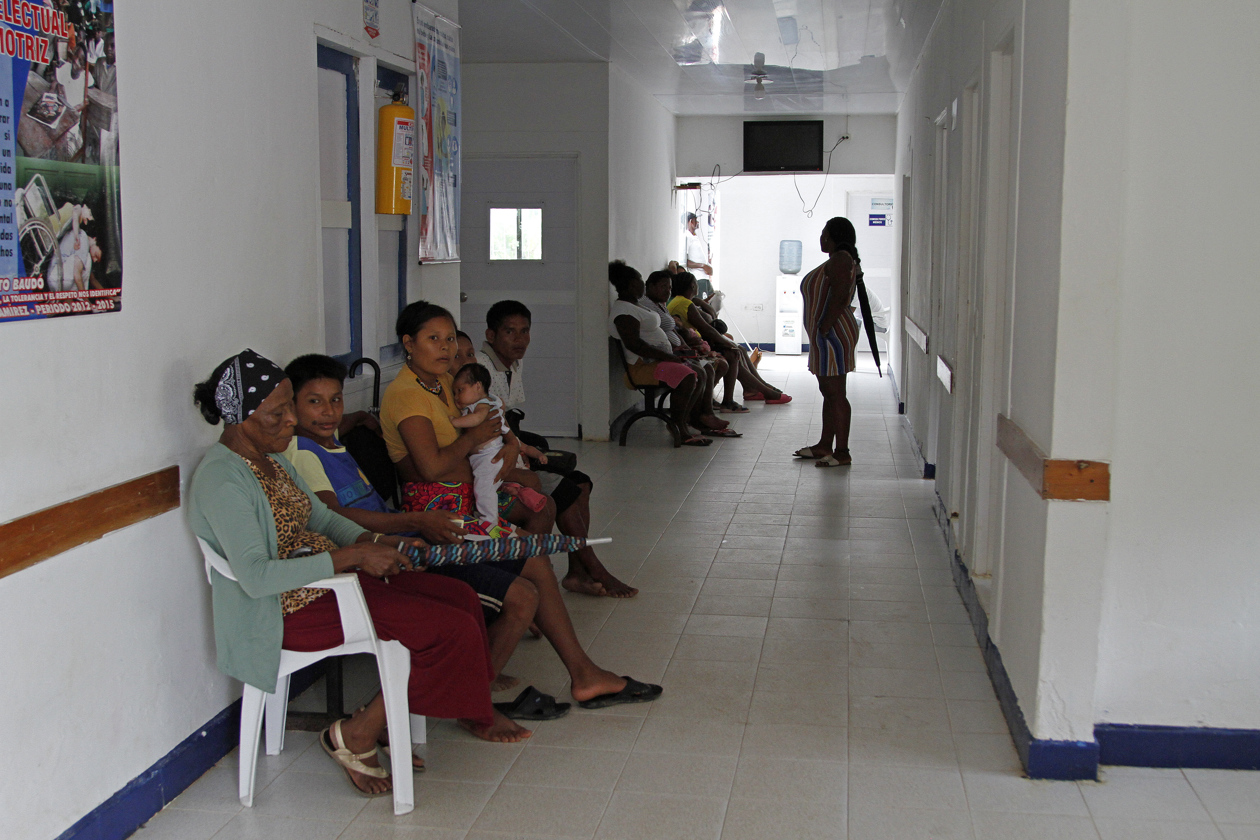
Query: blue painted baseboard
[119,816]
[150,792]
[1178,746]
[1042,759]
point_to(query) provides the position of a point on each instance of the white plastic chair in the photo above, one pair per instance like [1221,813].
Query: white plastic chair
[392,659]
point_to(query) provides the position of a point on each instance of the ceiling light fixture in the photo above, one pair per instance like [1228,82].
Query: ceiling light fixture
[759,77]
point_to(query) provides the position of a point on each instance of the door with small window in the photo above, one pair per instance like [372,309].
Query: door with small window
[519,242]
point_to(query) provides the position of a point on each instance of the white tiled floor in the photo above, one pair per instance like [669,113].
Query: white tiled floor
[821,680]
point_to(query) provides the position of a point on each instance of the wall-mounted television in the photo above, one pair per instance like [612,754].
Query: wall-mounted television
[783,146]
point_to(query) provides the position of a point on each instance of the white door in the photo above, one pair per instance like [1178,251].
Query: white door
[872,216]
[543,279]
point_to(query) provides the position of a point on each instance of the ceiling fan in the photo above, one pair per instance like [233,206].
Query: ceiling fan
[759,78]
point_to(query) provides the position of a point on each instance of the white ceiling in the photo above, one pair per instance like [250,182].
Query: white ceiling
[822,56]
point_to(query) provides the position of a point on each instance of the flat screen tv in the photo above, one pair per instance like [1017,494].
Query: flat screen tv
[783,146]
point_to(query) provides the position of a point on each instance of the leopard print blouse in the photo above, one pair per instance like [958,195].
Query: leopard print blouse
[292,510]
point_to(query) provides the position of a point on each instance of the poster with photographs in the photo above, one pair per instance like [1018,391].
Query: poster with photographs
[437,127]
[60,223]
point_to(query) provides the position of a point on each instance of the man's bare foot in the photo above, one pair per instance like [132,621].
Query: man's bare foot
[503,682]
[502,731]
[583,585]
[613,587]
[598,682]
[599,574]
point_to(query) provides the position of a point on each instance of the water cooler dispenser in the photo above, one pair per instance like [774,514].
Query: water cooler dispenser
[788,314]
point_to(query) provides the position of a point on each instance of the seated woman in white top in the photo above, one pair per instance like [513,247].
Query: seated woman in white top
[648,354]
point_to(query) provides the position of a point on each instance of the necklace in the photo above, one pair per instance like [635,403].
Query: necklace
[435,390]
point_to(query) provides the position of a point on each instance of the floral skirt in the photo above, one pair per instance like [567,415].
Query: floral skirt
[455,497]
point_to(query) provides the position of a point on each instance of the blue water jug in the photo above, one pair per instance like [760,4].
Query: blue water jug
[789,256]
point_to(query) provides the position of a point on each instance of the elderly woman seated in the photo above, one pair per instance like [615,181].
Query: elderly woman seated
[277,536]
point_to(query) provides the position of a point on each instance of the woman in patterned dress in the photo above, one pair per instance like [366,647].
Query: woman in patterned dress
[833,336]
[277,536]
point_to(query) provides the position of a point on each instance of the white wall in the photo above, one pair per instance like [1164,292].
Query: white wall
[705,141]
[542,109]
[755,212]
[108,661]
[642,211]
[1180,642]
[1131,322]
[1039,618]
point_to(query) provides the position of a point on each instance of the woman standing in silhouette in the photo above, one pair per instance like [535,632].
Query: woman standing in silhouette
[833,335]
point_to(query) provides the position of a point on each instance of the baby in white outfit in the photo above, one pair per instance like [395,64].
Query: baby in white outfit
[472,395]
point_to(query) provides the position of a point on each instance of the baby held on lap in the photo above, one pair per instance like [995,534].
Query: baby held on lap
[472,395]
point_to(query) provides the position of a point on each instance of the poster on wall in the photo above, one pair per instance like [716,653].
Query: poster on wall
[60,218]
[437,126]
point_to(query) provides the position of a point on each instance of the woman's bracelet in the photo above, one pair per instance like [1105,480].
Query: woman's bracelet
[375,537]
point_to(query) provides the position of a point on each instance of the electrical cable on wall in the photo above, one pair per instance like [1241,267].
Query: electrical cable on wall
[809,213]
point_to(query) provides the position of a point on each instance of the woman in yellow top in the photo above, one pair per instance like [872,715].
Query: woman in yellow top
[432,461]
[682,306]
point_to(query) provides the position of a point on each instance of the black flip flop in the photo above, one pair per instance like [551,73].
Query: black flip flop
[720,433]
[634,692]
[532,704]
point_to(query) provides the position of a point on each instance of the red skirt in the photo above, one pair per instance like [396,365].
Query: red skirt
[436,618]
[453,496]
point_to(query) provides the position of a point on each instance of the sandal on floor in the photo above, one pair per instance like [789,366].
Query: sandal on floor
[332,742]
[728,433]
[749,396]
[634,692]
[782,399]
[832,461]
[696,440]
[805,452]
[733,408]
[532,704]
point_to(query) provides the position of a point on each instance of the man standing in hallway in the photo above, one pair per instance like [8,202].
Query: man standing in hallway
[698,257]
[508,323]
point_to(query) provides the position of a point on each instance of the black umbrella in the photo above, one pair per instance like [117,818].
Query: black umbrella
[869,322]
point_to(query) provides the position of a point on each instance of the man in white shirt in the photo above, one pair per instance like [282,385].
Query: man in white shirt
[698,257]
[507,338]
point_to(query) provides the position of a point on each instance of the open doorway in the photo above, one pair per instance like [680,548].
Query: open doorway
[744,220]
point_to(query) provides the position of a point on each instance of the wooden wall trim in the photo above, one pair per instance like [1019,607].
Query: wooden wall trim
[917,335]
[52,531]
[1053,478]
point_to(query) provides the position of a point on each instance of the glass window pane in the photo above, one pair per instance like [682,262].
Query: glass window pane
[336,291]
[332,136]
[504,241]
[531,233]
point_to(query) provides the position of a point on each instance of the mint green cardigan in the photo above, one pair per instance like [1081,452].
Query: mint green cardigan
[228,509]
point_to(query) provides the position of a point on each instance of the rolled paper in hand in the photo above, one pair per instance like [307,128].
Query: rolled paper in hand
[502,548]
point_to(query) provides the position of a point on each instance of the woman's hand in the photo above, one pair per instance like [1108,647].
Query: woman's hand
[377,559]
[507,456]
[438,526]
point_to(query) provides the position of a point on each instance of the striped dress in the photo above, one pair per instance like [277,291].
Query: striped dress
[834,352]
